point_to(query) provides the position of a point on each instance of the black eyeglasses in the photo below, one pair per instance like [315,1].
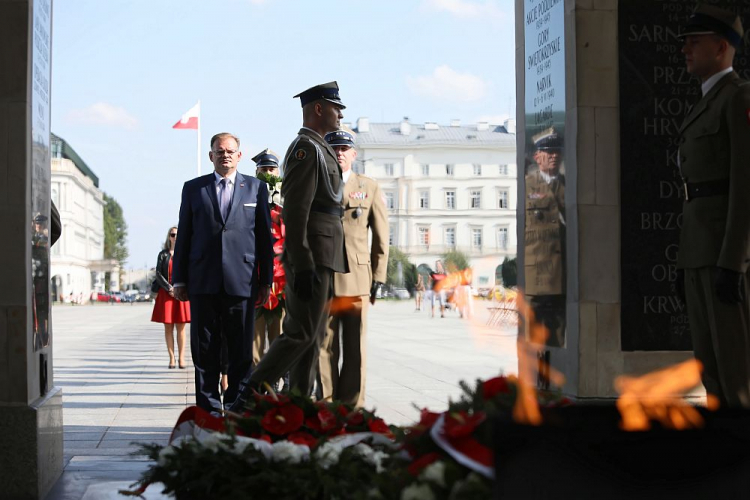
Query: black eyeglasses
[173,235]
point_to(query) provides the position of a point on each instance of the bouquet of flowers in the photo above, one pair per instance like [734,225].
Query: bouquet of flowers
[275,305]
[286,446]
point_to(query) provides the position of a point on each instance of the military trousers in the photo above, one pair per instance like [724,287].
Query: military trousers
[721,338]
[265,324]
[346,338]
[296,350]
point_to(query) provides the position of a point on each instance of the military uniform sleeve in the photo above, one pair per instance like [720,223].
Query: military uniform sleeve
[298,191]
[736,244]
[380,236]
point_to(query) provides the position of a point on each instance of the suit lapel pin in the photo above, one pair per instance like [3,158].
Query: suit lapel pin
[242,185]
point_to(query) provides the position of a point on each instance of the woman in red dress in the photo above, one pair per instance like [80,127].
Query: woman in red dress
[167,309]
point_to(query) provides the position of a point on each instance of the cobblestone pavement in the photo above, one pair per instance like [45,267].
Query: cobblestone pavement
[111,363]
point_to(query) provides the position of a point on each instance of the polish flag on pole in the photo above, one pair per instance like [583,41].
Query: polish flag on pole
[190,119]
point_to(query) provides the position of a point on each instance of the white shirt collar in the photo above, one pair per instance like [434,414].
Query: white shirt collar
[547,178]
[231,177]
[346,175]
[709,84]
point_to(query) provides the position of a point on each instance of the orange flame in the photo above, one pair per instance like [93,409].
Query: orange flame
[657,396]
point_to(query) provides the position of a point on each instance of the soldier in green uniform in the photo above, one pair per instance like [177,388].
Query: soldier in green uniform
[714,160]
[314,244]
[544,236]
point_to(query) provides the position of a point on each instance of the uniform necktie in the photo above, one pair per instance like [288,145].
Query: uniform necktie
[224,198]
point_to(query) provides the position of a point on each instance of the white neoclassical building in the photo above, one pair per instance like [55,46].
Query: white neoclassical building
[77,264]
[446,187]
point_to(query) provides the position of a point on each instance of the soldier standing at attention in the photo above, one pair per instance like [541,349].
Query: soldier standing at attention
[714,161]
[267,318]
[314,245]
[544,250]
[364,211]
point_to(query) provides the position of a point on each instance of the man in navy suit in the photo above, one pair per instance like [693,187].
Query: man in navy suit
[223,263]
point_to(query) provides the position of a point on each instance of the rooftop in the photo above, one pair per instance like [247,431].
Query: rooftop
[430,133]
[59,148]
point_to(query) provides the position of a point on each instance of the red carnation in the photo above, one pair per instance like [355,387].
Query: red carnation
[495,386]
[282,420]
[378,425]
[355,418]
[417,465]
[302,437]
[461,424]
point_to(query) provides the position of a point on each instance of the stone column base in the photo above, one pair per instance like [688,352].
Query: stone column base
[31,446]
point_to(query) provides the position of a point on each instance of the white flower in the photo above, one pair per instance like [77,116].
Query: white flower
[435,472]
[164,455]
[417,491]
[214,441]
[374,457]
[328,454]
[285,451]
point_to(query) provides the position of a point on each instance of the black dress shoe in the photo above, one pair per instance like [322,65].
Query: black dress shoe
[244,393]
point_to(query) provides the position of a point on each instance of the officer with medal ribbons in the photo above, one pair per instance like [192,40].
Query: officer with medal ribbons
[355,291]
[714,251]
[544,236]
[314,245]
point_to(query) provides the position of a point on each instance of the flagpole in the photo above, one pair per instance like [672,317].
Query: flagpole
[199,138]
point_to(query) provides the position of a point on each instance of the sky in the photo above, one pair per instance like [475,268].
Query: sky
[124,72]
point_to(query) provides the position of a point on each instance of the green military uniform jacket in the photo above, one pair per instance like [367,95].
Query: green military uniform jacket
[715,145]
[367,262]
[312,181]
[544,237]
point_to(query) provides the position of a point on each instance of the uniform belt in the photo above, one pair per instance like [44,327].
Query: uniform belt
[702,189]
[338,211]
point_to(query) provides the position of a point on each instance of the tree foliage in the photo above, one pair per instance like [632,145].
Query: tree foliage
[509,272]
[408,270]
[455,260]
[115,231]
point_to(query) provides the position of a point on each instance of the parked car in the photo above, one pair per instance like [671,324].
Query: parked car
[130,296]
[401,293]
[144,296]
[116,297]
[103,297]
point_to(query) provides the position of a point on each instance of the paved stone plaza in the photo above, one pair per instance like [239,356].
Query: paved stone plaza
[111,363]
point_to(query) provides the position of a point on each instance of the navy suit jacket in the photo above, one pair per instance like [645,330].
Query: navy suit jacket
[211,253]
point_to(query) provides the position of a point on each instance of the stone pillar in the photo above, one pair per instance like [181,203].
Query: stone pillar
[618,66]
[31,441]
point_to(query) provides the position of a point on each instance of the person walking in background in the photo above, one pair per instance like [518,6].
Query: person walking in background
[437,278]
[314,244]
[419,292]
[168,310]
[714,249]
[364,215]
[223,262]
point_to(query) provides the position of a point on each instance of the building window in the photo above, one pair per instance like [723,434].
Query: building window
[502,198]
[390,235]
[502,237]
[425,169]
[389,169]
[449,170]
[477,169]
[475,198]
[450,237]
[389,200]
[424,199]
[476,237]
[450,200]
[424,236]
[503,170]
